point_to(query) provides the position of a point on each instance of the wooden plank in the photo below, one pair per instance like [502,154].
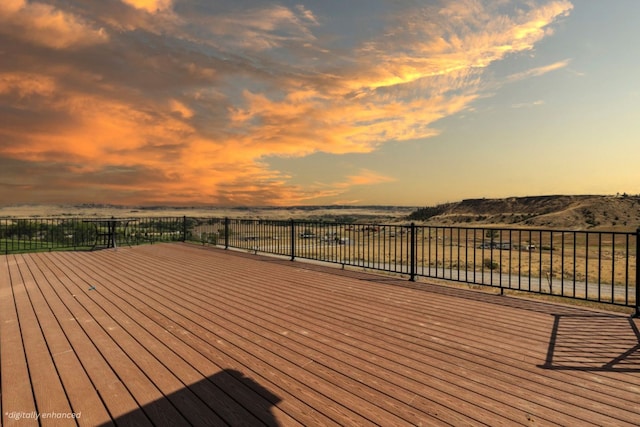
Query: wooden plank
[184,340]
[593,406]
[520,384]
[78,388]
[81,392]
[78,297]
[108,387]
[47,388]
[294,344]
[158,360]
[184,325]
[594,392]
[385,401]
[376,366]
[17,396]
[524,403]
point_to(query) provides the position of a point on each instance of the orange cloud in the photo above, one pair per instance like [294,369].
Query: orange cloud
[142,119]
[45,25]
[26,84]
[151,6]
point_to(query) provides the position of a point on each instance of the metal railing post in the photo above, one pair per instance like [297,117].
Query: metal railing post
[293,239]
[413,252]
[184,228]
[637,313]
[226,232]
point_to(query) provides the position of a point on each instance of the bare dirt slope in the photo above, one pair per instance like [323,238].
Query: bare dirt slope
[567,212]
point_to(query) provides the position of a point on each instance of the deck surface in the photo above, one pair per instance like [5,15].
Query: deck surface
[178,334]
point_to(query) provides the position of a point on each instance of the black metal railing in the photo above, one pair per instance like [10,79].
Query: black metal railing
[596,266]
[46,234]
[590,265]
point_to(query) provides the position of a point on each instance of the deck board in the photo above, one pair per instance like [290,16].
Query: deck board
[179,334]
[15,371]
[79,389]
[154,354]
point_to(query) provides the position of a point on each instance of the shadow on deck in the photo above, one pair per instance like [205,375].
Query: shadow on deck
[593,342]
[235,399]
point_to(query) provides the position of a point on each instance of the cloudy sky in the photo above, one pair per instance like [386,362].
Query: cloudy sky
[247,102]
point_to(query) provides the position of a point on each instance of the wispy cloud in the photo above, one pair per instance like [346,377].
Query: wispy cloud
[539,71]
[164,102]
[365,177]
[528,104]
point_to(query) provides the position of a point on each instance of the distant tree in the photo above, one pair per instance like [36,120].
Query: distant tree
[492,234]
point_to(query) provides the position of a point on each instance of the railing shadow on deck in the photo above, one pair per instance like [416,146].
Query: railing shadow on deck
[594,342]
[228,398]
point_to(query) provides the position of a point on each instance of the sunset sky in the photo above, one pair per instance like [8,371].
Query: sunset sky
[359,102]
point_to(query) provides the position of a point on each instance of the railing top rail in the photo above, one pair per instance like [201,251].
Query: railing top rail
[525,229]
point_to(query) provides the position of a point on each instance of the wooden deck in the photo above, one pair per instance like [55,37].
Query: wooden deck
[178,334]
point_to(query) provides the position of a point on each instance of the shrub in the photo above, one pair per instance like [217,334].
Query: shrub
[490,264]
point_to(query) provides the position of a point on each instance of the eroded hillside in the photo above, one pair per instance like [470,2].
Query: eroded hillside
[568,212]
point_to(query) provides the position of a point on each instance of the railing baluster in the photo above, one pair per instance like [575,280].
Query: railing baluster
[637,284]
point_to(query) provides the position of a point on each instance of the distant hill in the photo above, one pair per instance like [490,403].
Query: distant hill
[567,212]
[331,213]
